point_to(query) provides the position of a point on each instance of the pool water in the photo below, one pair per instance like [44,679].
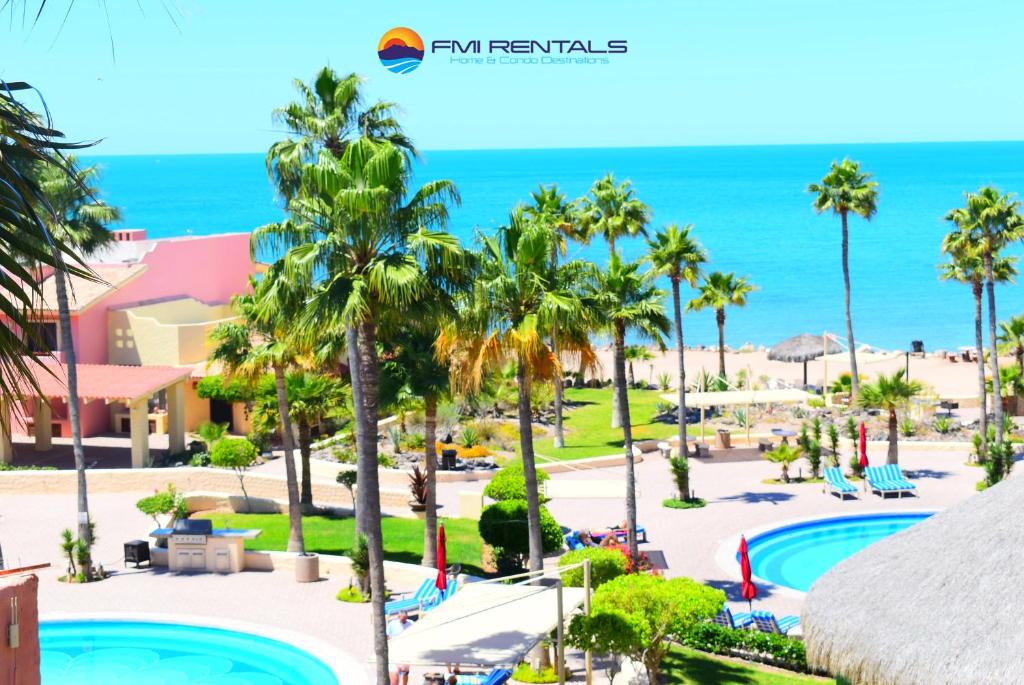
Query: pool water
[797,555]
[138,653]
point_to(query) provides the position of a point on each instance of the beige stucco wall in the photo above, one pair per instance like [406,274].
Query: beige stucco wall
[197,409]
[173,333]
[241,419]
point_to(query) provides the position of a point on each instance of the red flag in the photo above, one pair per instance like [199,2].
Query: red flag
[442,559]
[748,590]
[863,446]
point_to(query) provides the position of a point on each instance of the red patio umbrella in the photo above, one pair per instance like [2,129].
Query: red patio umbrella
[748,590]
[442,560]
[863,451]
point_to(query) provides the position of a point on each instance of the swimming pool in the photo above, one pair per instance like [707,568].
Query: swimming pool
[798,554]
[105,652]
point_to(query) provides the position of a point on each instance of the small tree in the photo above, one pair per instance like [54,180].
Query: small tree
[680,466]
[816,428]
[784,455]
[168,502]
[360,557]
[814,457]
[67,546]
[852,430]
[890,393]
[833,443]
[637,615]
[999,463]
[237,454]
[348,479]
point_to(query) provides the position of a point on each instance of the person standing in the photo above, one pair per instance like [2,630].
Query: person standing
[396,628]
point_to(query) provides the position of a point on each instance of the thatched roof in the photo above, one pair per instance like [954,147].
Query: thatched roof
[802,348]
[937,603]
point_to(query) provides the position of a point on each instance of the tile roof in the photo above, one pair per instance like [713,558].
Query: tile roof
[83,292]
[108,381]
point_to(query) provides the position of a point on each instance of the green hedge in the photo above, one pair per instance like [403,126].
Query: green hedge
[777,650]
[509,483]
[220,388]
[605,564]
[504,525]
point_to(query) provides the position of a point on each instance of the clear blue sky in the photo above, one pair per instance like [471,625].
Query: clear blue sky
[701,72]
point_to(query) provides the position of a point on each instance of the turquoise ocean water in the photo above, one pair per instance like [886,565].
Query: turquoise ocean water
[748,204]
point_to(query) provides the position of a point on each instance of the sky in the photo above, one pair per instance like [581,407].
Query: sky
[708,72]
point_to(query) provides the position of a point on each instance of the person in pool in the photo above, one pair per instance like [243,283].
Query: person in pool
[396,628]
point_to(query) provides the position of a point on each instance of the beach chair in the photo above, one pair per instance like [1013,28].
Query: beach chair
[837,484]
[887,479]
[441,597]
[726,618]
[620,534]
[427,593]
[766,622]
[572,541]
[497,676]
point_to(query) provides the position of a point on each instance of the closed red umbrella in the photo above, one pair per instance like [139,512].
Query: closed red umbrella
[748,589]
[864,452]
[442,559]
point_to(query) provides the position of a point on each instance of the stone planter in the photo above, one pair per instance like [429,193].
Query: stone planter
[307,568]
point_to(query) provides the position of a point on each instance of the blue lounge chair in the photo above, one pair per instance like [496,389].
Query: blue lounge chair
[427,593]
[886,479]
[453,587]
[726,618]
[766,622]
[621,534]
[572,540]
[496,677]
[837,484]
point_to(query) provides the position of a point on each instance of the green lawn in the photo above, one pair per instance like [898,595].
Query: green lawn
[588,431]
[688,667]
[403,538]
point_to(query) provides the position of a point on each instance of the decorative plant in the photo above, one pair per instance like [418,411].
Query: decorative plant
[360,559]
[852,430]
[855,467]
[784,455]
[680,466]
[418,489]
[168,502]
[395,436]
[664,381]
[67,546]
[942,425]
[816,429]
[833,443]
[470,437]
[907,427]
[814,457]
[978,451]
[742,417]
[348,478]
[211,433]
[999,464]
[804,439]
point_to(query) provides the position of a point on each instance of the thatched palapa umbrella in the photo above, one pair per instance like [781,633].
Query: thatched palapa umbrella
[803,348]
[937,603]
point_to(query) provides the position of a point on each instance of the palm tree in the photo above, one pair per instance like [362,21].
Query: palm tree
[612,211]
[550,206]
[366,240]
[988,222]
[329,114]
[889,393]
[784,455]
[259,342]
[636,353]
[1011,338]
[630,303]
[844,189]
[718,291]
[674,253]
[74,216]
[506,318]
[312,397]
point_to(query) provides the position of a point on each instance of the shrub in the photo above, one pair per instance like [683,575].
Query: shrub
[168,502]
[814,457]
[509,483]
[418,487]
[470,438]
[352,595]
[200,459]
[605,564]
[816,428]
[833,443]
[664,381]
[907,427]
[999,463]
[360,556]
[942,425]
[692,503]
[211,433]
[237,454]
[504,526]
[415,441]
[778,650]
[816,403]
[664,408]
[680,466]
[852,431]
[525,674]
[855,467]
[635,615]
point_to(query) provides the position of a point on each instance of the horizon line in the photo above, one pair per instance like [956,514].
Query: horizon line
[600,147]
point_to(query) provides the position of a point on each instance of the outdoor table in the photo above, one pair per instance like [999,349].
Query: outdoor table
[783,433]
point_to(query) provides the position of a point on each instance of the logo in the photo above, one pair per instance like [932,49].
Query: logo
[400,50]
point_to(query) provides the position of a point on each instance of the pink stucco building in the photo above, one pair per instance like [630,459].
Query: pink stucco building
[140,337]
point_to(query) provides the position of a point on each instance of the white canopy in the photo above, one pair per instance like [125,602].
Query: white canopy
[585,489]
[741,397]
[487,624]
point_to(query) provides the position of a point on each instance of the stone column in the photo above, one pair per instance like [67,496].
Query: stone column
[138,413]
[42,417]
[176,418]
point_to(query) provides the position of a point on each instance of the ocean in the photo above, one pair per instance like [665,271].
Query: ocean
[748,205]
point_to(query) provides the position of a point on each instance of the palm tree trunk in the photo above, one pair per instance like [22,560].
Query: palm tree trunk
[68,344]
[720,318]
[352,342]
[632,378]
[616,408]
[559,390]
[369,486]
[305,444]
[627,438]
[893,457]
[430,459]
[855,379]
[979,344]
[296,542]
[684,451]
[529,469]
[997,395]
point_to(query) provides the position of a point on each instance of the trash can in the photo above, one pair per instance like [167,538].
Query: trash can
[448,459]
[724,439]
[917,346]
[136,552]
[307,568]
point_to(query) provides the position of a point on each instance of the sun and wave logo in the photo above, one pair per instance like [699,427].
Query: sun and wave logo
[400,50]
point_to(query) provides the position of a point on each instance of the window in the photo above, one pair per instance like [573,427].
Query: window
[42,336]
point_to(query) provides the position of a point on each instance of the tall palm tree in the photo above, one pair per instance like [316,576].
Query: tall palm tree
[75,216]
[260,342]
[674,253]
[612,210]
[964,266]
[1011,338]
[845,189]
[889,393]
[631,304]
[366,238]
[506,317]
[635,353]
[329,114]
[550,206]
[717,291]
[988,222]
